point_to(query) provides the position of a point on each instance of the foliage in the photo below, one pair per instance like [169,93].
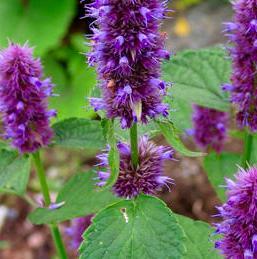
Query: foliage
[198,239]
[80,198]
[79,133]
[14,172]
[113,158]
[74,80]
[41,22]
[221,166]
[171,135]
[134,229]
[207,70]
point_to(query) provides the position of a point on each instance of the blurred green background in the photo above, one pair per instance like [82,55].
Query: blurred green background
[56,32]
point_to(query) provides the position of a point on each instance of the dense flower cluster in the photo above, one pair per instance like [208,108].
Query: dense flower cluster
[23,99]
[239,213]
[210,127]
[128,49]
[146,178]
[243,33]
[76,230]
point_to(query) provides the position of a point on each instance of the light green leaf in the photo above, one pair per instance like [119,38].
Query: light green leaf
[73,85]
[198,239]
[41,22]
[221,166]
[80,197]
[171,135]
[197,77]
[143,228]
[83,77]
[14,172]
[180,114]
[79,133]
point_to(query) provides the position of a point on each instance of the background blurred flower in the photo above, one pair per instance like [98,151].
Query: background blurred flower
[23,99]
[209,127]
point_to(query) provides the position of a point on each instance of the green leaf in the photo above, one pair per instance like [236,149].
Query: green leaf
[83,77]
[171,135]
[253,156]
[14,172]
[181,114]
[41,22]
[219,167]
[80,197]
[197,77]
[143,228]
[4,245]
[79,133]
[73,78]
[198,239]
[113,157]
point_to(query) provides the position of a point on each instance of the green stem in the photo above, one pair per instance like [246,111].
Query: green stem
[46,194]
[134,145]
[247,150]
[29,201]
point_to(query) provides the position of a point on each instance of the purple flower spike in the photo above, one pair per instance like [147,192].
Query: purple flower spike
[239,214]
[76,230]
[242,32]
[147,178]
[23,99]
[128,48]
[210,127]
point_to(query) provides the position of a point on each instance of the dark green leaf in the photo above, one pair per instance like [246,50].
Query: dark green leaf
[219,167]
[14,172]
[79,133]
[198,242]
[171,135]
[80,197]
[41,22]
[138,229]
